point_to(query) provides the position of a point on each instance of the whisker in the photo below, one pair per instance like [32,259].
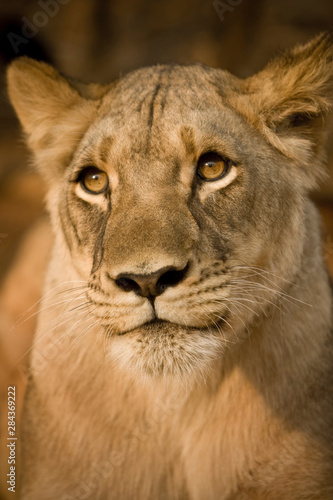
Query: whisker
[56,323]
[261,286]
[53,305]
[21,319]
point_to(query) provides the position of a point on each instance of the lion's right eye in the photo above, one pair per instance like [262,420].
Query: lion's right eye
[94,180]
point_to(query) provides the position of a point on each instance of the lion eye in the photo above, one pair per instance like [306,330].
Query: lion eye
[93,180]
[211,167]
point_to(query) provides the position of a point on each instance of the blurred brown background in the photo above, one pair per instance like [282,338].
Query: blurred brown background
[96,40]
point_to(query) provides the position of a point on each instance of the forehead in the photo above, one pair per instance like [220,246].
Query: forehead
[163,95]
[161,110]
[166,87]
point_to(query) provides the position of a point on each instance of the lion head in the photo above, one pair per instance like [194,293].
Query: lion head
[178,195]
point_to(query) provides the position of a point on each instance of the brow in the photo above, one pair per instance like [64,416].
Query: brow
[104,148]
[187,136]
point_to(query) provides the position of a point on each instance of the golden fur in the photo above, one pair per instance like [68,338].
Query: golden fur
[184,347]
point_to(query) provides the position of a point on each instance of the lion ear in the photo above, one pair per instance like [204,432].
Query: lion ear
[38,93]
[290,98]
[53,111]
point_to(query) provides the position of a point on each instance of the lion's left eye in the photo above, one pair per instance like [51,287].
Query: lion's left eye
[94,180]
[211,167]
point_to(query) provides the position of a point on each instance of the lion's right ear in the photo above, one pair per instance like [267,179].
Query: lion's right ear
[53,112]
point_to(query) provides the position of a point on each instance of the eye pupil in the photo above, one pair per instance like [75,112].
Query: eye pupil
[211,166]
[93,180]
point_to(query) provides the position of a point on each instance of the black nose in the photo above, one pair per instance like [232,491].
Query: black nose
[151,285]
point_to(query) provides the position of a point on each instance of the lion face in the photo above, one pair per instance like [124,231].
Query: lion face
[181,204]
[168,203]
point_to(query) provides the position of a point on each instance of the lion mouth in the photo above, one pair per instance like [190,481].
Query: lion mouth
[155,323]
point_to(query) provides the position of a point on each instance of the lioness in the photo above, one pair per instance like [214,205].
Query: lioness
[184,348]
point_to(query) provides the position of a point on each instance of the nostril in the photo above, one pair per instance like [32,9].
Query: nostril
[127,284]
[170,278]
[151,285]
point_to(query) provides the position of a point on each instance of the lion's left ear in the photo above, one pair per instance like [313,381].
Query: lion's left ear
[291,97]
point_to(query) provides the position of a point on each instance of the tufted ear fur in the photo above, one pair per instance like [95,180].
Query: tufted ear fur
[54,112]
[289,100]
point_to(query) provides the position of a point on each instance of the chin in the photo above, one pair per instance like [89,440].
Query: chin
[168,352]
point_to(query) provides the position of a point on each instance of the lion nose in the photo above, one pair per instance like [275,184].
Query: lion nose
[151,285]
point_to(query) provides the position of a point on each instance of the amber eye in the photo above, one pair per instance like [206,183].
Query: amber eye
[93,180]
[211,167]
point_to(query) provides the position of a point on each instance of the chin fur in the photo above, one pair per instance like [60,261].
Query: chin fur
[166,351]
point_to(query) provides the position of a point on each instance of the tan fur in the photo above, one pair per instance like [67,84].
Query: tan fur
[229,394]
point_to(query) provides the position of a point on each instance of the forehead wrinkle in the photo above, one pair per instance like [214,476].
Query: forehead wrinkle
[142,101]
[161,90]
[152,104]
[165,84]
[165,93]
[158,101]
